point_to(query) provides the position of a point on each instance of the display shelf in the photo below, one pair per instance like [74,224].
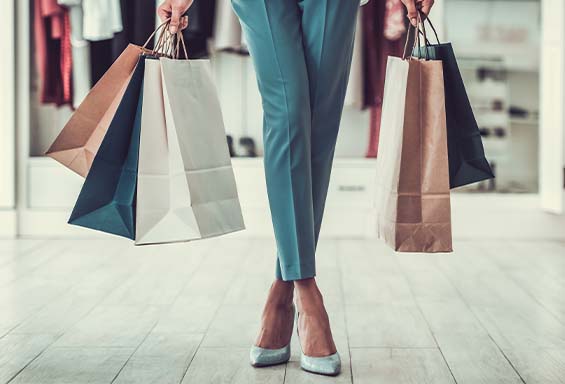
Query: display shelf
[529,121]
[510,57]
[53,189]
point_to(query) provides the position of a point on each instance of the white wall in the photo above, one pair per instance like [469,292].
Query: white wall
[7,124]
[552,102]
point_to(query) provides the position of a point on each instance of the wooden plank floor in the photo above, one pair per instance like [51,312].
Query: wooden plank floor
[103,311]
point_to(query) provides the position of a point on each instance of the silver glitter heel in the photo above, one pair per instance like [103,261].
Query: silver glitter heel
[264,357]
[325,365]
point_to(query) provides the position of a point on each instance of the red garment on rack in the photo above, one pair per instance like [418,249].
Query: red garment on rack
[376,49]
[53,52]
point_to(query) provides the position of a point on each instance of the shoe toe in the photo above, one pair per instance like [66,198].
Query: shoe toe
[327,365]
[262,357]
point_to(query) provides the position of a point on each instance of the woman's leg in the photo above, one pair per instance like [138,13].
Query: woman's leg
[328,29]
[277,320]
[273,33]
[328,32]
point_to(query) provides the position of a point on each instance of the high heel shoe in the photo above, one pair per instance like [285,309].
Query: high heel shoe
[325,365]
[264,357]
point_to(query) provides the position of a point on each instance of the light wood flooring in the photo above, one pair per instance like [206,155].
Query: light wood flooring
[104,311]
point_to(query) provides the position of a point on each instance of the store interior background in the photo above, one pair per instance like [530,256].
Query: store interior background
[510,53]
[77,306]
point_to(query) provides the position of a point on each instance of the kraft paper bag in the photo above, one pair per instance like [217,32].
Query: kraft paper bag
[107,199]
[467,161]
[186,185]
[413,196]
[78,142]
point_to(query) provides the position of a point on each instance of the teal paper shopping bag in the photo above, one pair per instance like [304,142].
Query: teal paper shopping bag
[467,161]
[107,199]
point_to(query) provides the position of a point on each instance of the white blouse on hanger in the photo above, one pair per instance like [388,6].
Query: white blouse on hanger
[102,19]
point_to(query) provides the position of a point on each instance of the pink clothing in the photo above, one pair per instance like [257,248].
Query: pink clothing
[53,52]
[394,27]
[382,21]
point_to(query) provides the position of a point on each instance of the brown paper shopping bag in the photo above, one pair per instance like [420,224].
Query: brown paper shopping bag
[413,203]
[78,142]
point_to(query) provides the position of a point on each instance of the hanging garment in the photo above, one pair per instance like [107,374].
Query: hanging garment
[80,52]
[101,58]
[394,27]
[53,52]
[380,20]
[227,30]
[354,94]
[200,28]
[102,19]
[138,21]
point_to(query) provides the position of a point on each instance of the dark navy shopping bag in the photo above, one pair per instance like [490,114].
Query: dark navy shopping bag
[466,155]
[107,199]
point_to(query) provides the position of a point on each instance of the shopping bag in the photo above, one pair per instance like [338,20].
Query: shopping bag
[78,142]
[186,186]
[413,201]
[107,199]
[467,161]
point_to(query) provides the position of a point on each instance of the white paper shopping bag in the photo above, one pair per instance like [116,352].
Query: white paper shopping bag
[390,139]
[186,186]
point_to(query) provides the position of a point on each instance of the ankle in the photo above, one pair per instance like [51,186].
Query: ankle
[308,296]
[282,293]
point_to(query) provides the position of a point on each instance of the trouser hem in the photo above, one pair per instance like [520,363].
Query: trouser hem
[296,272]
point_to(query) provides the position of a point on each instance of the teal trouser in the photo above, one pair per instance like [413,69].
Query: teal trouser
[301,51]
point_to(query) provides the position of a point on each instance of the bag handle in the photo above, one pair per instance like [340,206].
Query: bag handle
[168,44]
[428,43]
[180,41]
[177,41]
[433,29]
[418,29]
[167,21]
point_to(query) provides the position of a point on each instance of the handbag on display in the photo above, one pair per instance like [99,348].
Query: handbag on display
[186,185]
[413,196]
[78,142]
[467,161]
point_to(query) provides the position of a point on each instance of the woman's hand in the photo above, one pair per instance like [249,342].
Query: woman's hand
[174,9]
[415,6]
